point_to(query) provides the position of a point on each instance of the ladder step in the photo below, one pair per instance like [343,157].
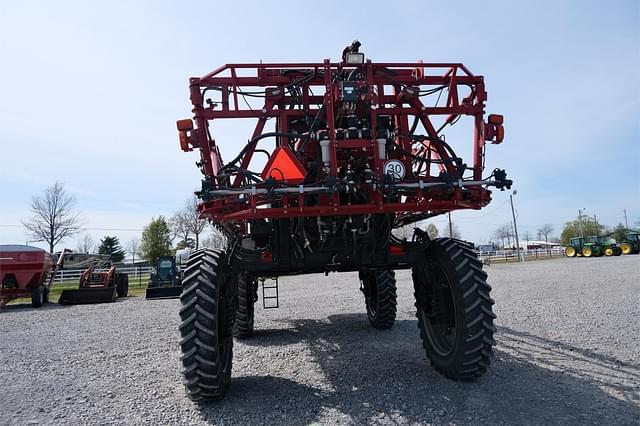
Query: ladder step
[270,292]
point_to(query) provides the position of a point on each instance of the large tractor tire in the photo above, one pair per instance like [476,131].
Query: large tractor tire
[379,288]
[587,251]
[207,314]
[37,296]
[617,251]
[122,285]
[454,310]
[247,296]
[626,248]
[570,251]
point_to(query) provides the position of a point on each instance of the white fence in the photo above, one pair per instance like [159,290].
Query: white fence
[512,255]
[139,272]
[74,274]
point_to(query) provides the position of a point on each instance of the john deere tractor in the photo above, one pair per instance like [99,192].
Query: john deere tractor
[630,244]
[593,246]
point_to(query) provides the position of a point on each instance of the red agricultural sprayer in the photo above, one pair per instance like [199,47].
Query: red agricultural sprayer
[342,153]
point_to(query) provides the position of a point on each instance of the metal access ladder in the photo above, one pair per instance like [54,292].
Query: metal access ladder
[270,294]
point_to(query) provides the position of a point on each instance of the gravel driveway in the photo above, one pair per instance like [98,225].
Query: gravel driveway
[568,353]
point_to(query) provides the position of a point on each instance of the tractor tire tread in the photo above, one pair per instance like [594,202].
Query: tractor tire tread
[203,375]
[245,313]
[473,355]
[384,315]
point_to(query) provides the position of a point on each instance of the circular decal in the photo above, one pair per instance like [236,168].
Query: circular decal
[395,168]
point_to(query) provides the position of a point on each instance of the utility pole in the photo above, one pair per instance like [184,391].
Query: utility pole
[580,222]
[515,226]
[450,227]
[626,224]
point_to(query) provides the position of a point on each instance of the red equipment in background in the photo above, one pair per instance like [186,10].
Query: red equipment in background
[23,272]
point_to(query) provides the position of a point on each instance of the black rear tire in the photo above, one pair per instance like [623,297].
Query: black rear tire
[45,295]
[379,288]
[454,310]
[207,314]
[245,315]
[36,296]
[123,285]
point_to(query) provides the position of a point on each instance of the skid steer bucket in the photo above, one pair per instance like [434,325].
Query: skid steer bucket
[163,293]
[88,295]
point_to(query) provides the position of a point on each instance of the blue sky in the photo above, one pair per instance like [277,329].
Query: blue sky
[90,91]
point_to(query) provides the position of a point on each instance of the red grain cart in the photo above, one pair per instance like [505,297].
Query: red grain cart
[342,153]
[23,272]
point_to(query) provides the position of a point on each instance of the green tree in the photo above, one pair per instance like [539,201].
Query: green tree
[156,240]
[432,231]
[111,246]
[586,224]
[618,232]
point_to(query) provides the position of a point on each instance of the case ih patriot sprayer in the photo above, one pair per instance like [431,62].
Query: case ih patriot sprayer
[352,150]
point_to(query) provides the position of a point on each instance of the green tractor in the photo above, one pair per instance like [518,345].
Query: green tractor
[165,281]
[593,246]
[630,244]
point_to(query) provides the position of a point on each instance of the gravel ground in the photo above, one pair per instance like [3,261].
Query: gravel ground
[568,353]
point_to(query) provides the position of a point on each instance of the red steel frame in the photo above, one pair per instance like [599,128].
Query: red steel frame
[389,89]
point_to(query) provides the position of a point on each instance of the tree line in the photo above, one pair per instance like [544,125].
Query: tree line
[54,218]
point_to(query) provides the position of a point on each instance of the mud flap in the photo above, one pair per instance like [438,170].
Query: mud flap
[88,295]
[163,293]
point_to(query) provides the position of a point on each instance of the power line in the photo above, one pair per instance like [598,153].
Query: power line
[492,211]
[85,229]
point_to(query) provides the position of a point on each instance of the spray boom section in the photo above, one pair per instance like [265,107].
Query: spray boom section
[354,137]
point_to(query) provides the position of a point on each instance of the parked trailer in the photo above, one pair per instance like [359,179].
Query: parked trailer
[23,272]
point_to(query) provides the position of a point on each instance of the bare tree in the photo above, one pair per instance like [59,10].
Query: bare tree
[454,231]
[192,219]
[502,233]
[53,216]
[186,223]
[215,240]
[545,231]
[132,247]
[86,244]
[180,229]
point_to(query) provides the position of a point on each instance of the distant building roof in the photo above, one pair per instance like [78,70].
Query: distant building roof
[18,247]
